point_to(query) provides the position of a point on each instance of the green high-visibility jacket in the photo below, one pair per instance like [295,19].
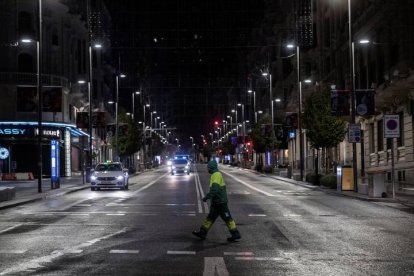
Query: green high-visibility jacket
[217,192]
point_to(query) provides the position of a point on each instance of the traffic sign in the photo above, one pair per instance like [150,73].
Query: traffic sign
[391,126]
[354,133]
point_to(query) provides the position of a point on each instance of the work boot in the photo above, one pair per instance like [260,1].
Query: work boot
[235,235]
[202,233]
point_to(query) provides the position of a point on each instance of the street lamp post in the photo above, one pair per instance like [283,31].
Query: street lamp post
[301,146]
[116,114]
[353,111]
[243,123]
[254,104]
[133,103]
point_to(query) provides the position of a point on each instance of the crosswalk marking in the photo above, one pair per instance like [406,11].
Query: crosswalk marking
[260,259]
[238,253]
[257,215]
[12,251]
[121,251]
[181,252]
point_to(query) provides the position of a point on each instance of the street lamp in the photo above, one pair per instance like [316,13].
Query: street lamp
[301,146]
[265,74]
[39,95]
[237,127]
[133,103]
[116,114]
[243,123]
[254,104]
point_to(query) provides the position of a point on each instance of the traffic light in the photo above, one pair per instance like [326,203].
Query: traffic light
[216,123]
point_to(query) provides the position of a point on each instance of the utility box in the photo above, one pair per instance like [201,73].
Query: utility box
[345,178]
[376,184]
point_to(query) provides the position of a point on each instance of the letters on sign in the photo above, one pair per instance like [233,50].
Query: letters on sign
[12,131]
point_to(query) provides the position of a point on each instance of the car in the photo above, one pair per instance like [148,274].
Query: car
[109,175]
[180,166]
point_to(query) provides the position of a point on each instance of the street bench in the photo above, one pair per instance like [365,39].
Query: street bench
[7,193]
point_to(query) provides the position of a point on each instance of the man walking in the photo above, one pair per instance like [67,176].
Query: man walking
[218,197]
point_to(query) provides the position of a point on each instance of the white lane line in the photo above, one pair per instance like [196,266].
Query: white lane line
[120,251]
[248,185]
[200,207]
[181,252]
[68,251]
[12,251]
[11,228]
[41,262]
[83,205]
[191,215]
[202,194]
[115,214]
[260,259]
[149,184]
[238,254]
[292,215]
[213,265]
[257,215]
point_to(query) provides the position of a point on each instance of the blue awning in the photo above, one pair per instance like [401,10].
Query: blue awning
[74,131]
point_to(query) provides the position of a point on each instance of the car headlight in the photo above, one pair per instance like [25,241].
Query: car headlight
[186,167]
[173,167]
[169,163]
[120,177]
[93,177]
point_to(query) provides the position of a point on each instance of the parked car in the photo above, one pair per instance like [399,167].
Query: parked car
[109,175]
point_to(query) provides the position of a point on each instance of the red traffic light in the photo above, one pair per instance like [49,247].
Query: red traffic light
[216,123]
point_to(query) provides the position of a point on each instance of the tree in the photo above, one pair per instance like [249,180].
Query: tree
[129,136]
[322,129]
[263,136]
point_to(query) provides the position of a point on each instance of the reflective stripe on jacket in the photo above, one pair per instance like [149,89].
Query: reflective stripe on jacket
[217,193]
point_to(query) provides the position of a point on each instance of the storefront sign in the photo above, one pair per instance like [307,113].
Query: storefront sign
[12,131]
[48,132]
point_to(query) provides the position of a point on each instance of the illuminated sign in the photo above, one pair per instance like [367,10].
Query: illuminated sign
[48,132]
[12,131]
[4,153]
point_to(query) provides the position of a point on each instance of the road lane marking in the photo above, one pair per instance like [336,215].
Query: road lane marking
[68,251]
[12,251]
[238,254]
[248,185]
[150,184]
[11,228]
[200,207]
[121,251]
[181,252]
[198,182]
[213,265]
[292,215]
[115,214]
[40,262]
[260,259]
[257,215]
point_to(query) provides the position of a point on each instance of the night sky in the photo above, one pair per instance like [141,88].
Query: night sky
[189,57]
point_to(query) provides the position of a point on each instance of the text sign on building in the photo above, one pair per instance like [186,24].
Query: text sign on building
[354,133]
[391,126]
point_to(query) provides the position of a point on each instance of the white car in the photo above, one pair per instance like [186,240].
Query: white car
[109,175]
[180,166]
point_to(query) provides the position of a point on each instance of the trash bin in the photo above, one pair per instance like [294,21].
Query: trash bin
[289,171]
[376,184]
[344,178]
[88,172]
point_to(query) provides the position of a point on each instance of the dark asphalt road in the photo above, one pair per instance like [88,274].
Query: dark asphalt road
[286,230]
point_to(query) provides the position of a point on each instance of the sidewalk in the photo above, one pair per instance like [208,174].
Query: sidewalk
[27,191]
[405,199]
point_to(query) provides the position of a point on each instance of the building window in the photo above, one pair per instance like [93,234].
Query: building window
[371,138]
[380,135]
[25,24]
[400,141]
[25,63]
[55,40]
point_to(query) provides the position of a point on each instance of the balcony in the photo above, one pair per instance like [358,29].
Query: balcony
[16,78]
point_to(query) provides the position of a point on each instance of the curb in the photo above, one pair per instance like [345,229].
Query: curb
[306,185]
[39,198]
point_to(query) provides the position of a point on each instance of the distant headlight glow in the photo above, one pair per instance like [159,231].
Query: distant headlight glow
[120,177]
[93,177]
